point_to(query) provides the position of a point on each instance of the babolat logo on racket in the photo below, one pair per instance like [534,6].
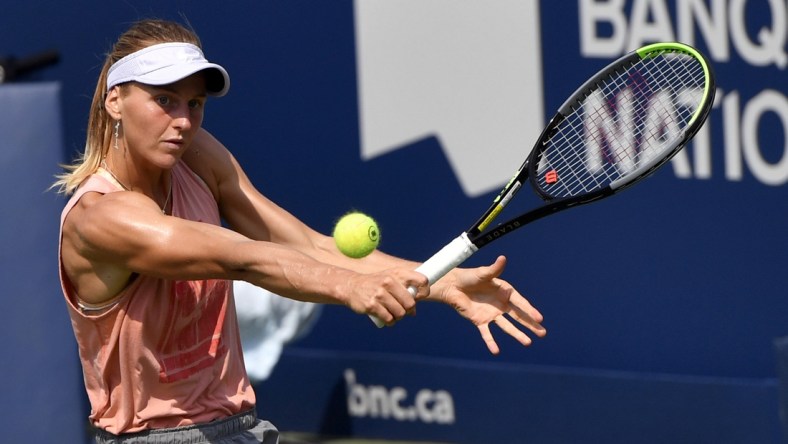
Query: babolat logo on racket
[551,177]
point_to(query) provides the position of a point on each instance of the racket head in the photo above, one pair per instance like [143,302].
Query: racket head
[623,123]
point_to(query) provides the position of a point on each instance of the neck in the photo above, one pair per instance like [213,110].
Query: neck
[158,189]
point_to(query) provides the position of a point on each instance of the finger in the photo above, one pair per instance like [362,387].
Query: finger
[399,300]
[518,303]
[403,297]
[419,284]
[528,322]
[537,329]
[384,317]
[380,310]
[487,337]
[493,270]
[394,309]
[522,304]
[524,313]
[386,309]
[513,331]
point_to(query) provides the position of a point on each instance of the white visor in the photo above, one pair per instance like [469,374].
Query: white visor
[167,63]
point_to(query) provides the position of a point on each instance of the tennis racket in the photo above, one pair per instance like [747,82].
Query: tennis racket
[614,131]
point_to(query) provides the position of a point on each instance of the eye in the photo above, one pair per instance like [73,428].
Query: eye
[163,100]
[195,104]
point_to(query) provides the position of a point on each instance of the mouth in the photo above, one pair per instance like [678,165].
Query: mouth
[175,142]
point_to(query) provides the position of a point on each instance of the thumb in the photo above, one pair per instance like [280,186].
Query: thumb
[494,270]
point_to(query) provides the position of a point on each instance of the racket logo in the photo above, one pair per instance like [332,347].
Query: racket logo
[551,177]
[502,229]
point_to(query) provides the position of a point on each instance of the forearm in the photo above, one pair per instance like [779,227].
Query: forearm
[309,268]
[323,248]
[379,261]
[289,273]
[319,276]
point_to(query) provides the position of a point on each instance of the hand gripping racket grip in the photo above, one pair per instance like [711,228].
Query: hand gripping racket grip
[442,262]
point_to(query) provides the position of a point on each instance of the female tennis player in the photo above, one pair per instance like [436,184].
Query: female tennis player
[146,265]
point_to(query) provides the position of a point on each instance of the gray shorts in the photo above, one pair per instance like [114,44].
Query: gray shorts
[243,428]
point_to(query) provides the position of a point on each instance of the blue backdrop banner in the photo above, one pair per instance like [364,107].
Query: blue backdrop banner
[416,112]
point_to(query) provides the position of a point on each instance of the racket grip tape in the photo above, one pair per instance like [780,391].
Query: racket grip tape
[442,262]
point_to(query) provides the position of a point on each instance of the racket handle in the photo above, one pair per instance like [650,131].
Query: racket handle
[442,262]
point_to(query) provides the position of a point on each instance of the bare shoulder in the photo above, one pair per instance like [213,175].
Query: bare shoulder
[97,234]
[97,219]
[209,159]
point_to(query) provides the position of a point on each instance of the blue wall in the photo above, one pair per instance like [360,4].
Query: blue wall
[684,275]
[41,378]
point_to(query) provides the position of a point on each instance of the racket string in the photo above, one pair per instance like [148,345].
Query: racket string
[635,115]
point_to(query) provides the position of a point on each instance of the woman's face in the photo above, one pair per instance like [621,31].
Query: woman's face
[159,122]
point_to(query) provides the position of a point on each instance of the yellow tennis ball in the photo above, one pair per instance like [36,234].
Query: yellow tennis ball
[356,234]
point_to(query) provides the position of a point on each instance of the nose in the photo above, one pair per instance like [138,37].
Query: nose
[182,118]
[182,123]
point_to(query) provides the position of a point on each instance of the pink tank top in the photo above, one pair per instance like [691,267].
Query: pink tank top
[167,353]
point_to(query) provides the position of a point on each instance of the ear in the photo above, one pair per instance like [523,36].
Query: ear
[112,103]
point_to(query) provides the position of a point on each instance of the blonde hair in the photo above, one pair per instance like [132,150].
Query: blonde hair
[140,35]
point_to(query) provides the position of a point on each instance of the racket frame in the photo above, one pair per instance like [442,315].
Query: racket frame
[479,234]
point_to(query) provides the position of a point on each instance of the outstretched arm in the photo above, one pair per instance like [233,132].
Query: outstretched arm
[109,237]
[478,294]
